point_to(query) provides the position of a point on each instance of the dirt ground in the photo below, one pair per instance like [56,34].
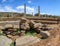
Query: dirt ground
[53,40]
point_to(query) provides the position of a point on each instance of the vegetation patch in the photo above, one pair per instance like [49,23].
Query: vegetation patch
[31,32]
[12,44]
[1,33]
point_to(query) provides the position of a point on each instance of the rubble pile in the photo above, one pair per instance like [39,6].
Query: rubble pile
[39,28]
[9,31]
[25,26]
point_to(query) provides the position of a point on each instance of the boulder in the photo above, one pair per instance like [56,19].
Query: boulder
[24,24]
[10,31]
[9,36]
[45,27]
[8,25]
[13,33]
[35,26]
[31,24]
[44,34]
[23,20]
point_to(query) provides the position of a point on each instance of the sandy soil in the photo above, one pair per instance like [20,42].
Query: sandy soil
[53,40]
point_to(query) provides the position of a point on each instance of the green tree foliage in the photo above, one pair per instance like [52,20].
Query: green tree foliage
[29,15]
[36,14]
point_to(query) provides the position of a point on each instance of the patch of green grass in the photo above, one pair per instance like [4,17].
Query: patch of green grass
[12,44]
[31,32]
[1,33]
[18,31]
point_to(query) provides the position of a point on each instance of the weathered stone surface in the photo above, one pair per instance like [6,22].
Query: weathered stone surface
[22,33]
[9,36]
[35,26]
[31,23]
[10,31]
[4,41]
[8,25]
[44,34]
[23,20]
[24,24]
[45,27]
[1,27]
[26,40]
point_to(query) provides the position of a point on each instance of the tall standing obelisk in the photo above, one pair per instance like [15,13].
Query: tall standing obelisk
[24,9]
[38,11]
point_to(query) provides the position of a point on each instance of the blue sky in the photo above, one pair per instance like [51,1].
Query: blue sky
[46,6]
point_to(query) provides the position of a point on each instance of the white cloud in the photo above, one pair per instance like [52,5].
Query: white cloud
[7,9]
[19,9]
[29,1]
[28,9]
[7,0]
[3,1]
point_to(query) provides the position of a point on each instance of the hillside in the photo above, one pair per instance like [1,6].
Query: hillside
[15,14]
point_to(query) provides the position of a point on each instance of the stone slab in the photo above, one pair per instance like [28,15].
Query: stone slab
[26,40]
[4,41]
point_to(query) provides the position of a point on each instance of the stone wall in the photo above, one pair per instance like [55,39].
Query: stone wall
[4,24]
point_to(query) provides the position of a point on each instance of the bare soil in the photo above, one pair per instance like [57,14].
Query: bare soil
[53,40]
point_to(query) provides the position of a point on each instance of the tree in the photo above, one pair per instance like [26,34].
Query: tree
[36,14]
